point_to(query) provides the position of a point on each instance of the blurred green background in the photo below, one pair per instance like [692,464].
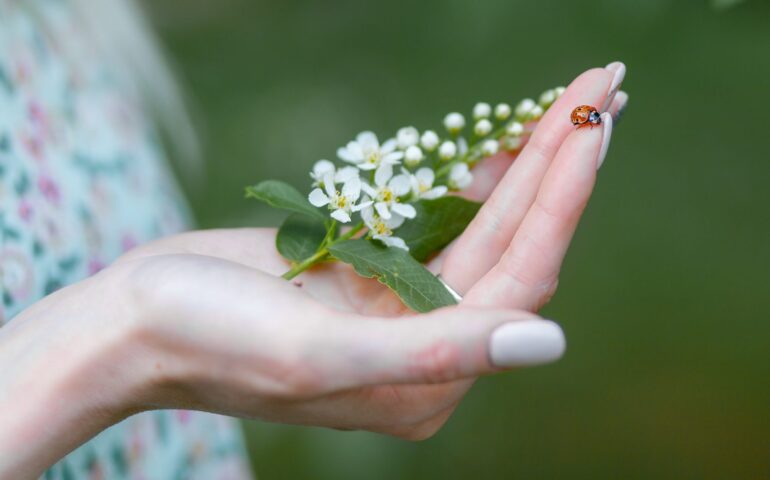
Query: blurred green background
[665,296]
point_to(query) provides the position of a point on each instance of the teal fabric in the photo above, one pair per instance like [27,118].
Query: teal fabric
[82,179]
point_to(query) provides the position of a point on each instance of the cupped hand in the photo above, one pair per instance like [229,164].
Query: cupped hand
[333,349]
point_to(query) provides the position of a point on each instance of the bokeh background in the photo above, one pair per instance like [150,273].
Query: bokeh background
[665,295]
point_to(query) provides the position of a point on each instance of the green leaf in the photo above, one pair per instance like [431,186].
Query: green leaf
[437,223]
[419,289]
[299,237]
[282,195]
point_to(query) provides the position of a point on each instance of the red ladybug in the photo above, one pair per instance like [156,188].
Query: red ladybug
[585,115]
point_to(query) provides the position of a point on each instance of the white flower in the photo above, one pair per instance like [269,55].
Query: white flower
[460,176]
[342,204]
[413,156]
[536,113]
[524,107]
[447,150]
[454,122]
[481,110]
[386,191]
[483,127]
[559,91]
[322,167]
[502,111]
[367,153]
[489,147]
[406,137]
[429,140]
[515,129]
[547,98]
[382,228]
[422,184]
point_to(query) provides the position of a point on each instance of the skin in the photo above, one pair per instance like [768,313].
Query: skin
[202,320]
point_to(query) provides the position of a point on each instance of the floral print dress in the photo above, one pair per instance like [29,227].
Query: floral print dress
[82,179]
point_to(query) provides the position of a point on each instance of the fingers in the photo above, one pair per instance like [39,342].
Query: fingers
[490,233]
[526,275]
[442,346]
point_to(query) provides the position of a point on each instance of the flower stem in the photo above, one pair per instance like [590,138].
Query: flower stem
[471,156]
[322,253]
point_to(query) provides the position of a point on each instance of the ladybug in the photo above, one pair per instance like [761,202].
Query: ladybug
[585,115]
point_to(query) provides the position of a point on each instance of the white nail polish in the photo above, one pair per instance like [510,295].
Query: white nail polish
[526,343]
[606,135]
[619,70]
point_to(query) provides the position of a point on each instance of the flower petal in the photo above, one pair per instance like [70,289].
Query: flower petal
[435,192]
[328,181]
[394,222]
[367,214]
[382,210]
[351,153]
[400,185]
[426,176]
[367,140]
[392,158]
[321,167]
[392,242]
[341,215]
[318,198]
[383,174]
[366,166]
[368,189]
[388,146]
[352,189]
[404,209]
[362,206]
[344,174]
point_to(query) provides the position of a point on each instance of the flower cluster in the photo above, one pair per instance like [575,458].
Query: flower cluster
[382,181]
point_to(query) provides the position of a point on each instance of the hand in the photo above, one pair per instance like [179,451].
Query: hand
[202,320]
[338,350]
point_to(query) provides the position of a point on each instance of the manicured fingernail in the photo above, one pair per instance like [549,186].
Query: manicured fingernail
[526,343]
[606,134]
[621,100]
[618,70]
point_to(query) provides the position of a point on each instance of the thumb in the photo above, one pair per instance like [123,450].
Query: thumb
[444,345]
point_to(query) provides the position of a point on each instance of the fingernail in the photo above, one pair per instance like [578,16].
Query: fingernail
[526,343]
[622,100]
[618,70]
[606,134]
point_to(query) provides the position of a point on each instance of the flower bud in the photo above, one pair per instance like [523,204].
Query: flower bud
[489,147]
[524,107]
[536,113]
[406,137]
[559,91]
[429,140]
[502,111]
[514,129]
[512,143]
[454,122]
[447,150]
[483,127]
[413,156]
[481,110]
[547,98]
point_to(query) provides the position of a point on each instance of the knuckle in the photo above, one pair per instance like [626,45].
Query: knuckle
[438,363]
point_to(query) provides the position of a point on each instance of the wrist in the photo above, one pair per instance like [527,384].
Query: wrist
[69,377]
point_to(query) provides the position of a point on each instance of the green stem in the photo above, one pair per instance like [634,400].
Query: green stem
[473,151]
[322,253]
